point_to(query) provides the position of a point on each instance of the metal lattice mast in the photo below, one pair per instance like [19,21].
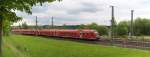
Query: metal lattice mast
[131,25]
[112,22]
[36,23]
[52,22]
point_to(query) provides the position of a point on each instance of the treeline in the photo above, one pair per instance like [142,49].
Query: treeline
[141,26]
[103,30]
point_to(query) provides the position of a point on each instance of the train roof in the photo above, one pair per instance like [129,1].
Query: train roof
[56,29]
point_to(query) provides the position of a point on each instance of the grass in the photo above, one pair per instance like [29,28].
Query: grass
[42,47]
[7,52]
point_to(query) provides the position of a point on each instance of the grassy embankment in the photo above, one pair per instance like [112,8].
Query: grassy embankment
[30,46]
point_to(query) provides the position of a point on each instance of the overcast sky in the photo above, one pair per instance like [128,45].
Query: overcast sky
[74,12]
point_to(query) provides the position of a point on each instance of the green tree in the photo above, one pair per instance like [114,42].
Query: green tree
[82,26]
[92,26]
[100,28]
[122,28]
[25,26]
[142,26]
[7,7]
[103,30]
[6,27]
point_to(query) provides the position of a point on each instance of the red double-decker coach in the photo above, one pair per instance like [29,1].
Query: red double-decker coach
[66,33]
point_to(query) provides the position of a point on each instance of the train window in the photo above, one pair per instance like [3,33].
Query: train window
[84,33]
[81,33]
[87,34]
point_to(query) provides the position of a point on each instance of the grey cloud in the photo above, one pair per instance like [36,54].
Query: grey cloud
[87,11]
[67,19]
[85,7]
[89,7]
[39,9]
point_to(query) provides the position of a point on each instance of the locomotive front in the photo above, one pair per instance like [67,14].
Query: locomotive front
[97,35]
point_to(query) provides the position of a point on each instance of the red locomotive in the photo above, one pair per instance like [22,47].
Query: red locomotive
[68,33]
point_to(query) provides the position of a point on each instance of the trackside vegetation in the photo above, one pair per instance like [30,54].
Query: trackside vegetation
[31,46]
[122,28]
[8,52]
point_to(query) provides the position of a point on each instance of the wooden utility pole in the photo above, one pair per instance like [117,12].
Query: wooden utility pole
[1,33]
[131,25]
[36,23]
[52,22]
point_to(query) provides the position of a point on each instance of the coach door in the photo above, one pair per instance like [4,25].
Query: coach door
[81,35]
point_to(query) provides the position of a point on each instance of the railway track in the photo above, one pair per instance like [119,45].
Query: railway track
[139,44]
[127,43]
